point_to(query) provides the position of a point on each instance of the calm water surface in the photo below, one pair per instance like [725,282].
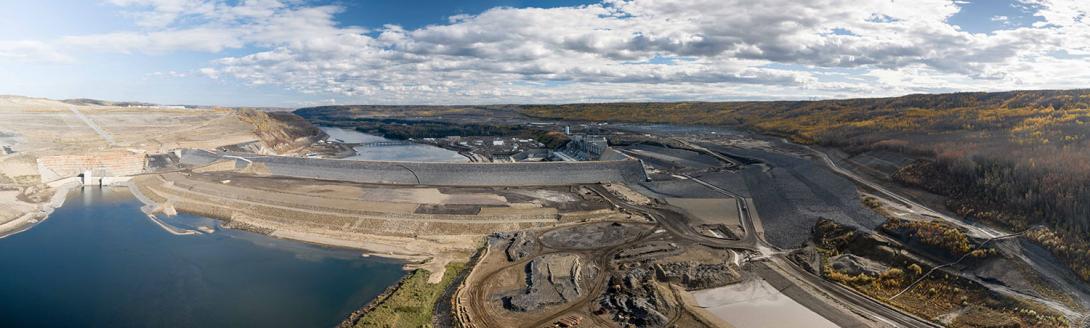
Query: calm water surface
[414,152]
[99,262]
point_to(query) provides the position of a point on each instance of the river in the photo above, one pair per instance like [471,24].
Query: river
[98,261]
[413,152]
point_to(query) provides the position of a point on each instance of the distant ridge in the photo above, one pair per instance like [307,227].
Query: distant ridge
[96,102]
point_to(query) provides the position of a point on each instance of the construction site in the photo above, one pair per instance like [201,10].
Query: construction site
[51,146]
[629,227]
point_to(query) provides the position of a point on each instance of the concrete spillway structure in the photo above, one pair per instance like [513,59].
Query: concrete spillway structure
[102,164]
[430,173]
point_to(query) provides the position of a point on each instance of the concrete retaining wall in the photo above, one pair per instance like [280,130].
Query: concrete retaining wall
[611,154]
[435,174]
[110,163]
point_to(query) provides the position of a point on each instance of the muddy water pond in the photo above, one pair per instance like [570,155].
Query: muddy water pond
[411,153]
[757,304]
[99,262]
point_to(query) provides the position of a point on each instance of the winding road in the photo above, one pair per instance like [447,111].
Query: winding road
[774,262]
[1062,279]
[91,124]
[751,241]
[676,224]
[913,206]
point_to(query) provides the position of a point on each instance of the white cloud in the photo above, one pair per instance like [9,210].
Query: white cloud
[29,51]
[211,73]
[171,74]
[206,39]
[615,50]
[732,43]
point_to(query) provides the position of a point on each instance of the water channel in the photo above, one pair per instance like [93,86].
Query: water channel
[411,152]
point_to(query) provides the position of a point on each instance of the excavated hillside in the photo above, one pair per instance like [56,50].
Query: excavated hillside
[43,142]
[282,132]
[1014,160]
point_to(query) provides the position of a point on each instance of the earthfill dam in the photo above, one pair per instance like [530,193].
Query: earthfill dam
[410,210]
[425,173]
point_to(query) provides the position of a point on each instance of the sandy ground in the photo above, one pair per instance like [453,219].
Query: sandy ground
[18,166]
[627,194]
[34,128]
[10,207]
[431,253]
[48,127]
[18,215]
[347,215]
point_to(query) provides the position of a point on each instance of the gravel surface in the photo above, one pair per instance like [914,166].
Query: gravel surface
[793,192]
[677,157]
[732,181]
[591,236]
[680,189]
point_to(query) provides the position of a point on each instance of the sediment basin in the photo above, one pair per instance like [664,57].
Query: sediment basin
[756,304]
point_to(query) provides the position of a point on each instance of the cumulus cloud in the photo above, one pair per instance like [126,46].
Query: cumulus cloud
[616,50]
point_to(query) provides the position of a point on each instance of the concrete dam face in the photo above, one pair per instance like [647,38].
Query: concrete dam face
[103,164]
[430,173]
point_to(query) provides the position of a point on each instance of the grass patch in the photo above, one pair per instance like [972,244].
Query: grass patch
[413,303]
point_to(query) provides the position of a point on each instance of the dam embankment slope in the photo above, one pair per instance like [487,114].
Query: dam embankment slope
[429,173]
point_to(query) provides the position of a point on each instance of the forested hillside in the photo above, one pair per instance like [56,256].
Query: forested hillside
[1019,160]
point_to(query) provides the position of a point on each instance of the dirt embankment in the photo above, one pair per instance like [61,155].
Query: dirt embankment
[912,282]
[344,225]
[43,141]
[445,226]
[283,133]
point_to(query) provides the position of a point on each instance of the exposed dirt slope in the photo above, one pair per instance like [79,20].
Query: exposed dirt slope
[283,133]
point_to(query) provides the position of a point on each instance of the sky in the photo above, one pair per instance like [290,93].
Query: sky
[296,53]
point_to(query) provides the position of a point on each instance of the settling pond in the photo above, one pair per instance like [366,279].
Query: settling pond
[99,262]
[413,152]
[756,304]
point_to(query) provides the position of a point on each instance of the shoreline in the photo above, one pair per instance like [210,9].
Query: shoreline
[171,229]
[355,316]
[24,222]
[443,309]
[151,207]
[434,265]
[386,247]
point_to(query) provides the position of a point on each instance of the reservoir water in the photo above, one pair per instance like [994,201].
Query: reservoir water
[413,152]
[100,262]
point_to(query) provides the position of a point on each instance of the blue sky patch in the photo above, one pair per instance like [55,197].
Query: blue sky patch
[985,16]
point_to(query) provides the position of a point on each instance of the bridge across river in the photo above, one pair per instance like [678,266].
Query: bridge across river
[389,143]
